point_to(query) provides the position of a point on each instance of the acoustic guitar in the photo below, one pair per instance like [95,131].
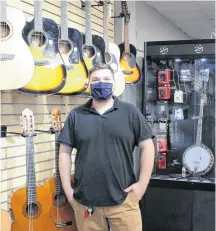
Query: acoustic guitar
[16,61]
[112,54]
[128,52]
[61,211]
[5,220]
[31,205]
[41,35]
[91,53]
[70,48]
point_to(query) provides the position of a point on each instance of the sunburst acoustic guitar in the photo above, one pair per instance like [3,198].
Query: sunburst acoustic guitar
[61,211]
[41,35]
[31,205]
[128,52]
[16,61]
[5,220]
[91,53]
[70,47]
[112,54]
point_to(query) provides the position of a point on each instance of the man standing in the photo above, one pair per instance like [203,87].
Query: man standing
[104,132]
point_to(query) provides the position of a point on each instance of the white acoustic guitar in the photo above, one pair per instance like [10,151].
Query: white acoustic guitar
[112,55]
[16,61]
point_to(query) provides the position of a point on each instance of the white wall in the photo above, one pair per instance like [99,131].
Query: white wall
[146,24]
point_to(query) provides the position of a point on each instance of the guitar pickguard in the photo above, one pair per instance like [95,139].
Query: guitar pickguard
[132,61]
[50,50]
[98,57]
[74,57]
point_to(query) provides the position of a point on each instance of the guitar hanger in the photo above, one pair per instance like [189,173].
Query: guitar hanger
[100,3]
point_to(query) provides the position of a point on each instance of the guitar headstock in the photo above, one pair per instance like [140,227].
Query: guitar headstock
[125,12]
[27,123]
[56,122]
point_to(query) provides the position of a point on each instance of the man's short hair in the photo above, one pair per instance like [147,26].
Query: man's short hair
[101,66]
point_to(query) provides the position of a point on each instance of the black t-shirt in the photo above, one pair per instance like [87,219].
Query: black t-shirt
[104,144]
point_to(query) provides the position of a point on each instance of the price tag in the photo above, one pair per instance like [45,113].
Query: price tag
[178,97]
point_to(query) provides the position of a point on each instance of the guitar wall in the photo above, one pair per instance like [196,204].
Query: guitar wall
[13,148]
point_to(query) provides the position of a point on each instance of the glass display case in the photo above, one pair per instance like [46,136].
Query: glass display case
[179,105]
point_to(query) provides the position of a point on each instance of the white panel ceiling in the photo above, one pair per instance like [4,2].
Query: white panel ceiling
[194,18]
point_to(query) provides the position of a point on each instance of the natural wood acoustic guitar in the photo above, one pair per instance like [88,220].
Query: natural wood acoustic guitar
[61,211]
[41,35]
[128,52]
[31,205]
[16,61]
[70,48]
[5,220]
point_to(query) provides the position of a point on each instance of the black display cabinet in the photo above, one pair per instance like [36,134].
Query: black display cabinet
[179,105]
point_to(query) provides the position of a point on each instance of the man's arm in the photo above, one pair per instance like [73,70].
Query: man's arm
[65,170]
[146,162]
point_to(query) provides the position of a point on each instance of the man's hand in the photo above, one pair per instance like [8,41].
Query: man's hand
[69,195]
[138,189]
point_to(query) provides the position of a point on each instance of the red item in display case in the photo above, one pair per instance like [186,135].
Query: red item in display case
[162,161]
[161,143]
[164,77]
[164,92]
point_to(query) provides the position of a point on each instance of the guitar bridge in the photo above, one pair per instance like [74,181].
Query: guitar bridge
[42,63]
[63,224]
[127,72]
[6,57]
[68,68]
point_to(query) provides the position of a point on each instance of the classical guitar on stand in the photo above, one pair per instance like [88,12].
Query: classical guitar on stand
[128,52]
[41,35]
[61,211]
[31,205]
[16,61]
[70,47]
[112,55]
[91,53]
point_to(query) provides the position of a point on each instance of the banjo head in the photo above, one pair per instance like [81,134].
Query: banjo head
[198,159]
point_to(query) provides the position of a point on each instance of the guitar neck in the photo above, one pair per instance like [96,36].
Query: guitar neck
[105,26]
[64,20]
[199,124]
[126,38]
[30,171]
[59,188]
[88,28]
[3,17]
[38,20]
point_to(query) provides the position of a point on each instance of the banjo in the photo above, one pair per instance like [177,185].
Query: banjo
[198,159]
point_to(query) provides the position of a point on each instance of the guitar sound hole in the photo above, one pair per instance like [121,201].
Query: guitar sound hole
[32,209]
[64,46]
[88,52]
[126,56]
[4,30]
[60,200]
[37,39]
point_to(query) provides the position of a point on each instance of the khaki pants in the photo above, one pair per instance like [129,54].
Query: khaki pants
[123,217]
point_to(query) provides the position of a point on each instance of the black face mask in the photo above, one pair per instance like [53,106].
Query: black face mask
[101,90]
